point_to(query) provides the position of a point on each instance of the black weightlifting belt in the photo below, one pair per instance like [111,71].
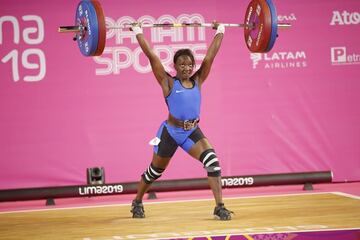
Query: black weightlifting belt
[186,125]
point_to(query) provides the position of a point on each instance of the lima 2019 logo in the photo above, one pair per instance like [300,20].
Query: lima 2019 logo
[101,190]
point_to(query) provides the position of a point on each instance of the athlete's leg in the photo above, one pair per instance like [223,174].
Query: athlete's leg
[196,151]
[164,148]
[154,171]
[200,148]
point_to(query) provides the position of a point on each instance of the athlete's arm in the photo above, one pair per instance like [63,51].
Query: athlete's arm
[205,67]
[158,69]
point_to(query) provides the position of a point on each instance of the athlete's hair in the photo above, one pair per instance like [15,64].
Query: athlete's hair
[184,52]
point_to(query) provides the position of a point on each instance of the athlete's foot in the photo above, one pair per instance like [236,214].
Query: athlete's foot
[221,213]
[137,209]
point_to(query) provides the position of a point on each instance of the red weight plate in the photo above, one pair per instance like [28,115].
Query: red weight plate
[101,27]
[258,14]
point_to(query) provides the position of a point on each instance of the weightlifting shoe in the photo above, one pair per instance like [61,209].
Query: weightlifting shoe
[221,213]
[137,209]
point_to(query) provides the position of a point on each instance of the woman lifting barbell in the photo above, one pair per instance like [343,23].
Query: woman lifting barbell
[183,96]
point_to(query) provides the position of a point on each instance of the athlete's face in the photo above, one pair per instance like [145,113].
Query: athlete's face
[184,67]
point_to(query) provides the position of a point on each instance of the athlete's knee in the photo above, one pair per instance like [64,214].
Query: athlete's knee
[211,163]
[152,173]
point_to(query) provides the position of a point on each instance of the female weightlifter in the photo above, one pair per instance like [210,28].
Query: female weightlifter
[183,97]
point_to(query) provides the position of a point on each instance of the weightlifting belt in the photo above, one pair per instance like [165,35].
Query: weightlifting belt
[186,125]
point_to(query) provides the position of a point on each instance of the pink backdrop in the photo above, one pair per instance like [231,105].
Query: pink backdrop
[291,110]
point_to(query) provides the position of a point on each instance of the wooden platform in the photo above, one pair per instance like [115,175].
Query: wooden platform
[187,219]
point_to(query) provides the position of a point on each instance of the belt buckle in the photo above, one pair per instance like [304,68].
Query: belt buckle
[189,124]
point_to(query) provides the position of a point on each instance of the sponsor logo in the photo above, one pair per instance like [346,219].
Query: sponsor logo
[125,53]
[27,55]
[237,181]
[101,190]
[294,59]
[340,56]
[222,233]
[155,141]
[282,18]
[345,18]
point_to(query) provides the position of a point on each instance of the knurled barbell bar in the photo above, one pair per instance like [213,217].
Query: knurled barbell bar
[260,27]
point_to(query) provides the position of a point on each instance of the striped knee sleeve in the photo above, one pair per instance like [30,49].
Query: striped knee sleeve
[211,163]
[152,173]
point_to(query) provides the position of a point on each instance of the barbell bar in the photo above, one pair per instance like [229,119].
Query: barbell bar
[63,29]
[260,27]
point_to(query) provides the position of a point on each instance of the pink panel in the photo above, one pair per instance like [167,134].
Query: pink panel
[293,109]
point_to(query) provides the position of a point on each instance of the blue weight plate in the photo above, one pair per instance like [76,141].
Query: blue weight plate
[274,25]
[88,39]
[101,28]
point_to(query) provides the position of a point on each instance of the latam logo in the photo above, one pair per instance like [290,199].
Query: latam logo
[294,59]
[345,18]
[340,56]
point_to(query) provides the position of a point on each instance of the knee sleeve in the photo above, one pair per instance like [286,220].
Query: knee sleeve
[151,174]
[211,163]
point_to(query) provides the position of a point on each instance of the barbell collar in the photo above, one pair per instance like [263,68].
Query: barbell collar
[65,29]
[284,25]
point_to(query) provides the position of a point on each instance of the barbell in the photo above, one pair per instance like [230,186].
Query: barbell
[260,27]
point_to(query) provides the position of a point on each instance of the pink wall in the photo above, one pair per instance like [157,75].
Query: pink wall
[291,110]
